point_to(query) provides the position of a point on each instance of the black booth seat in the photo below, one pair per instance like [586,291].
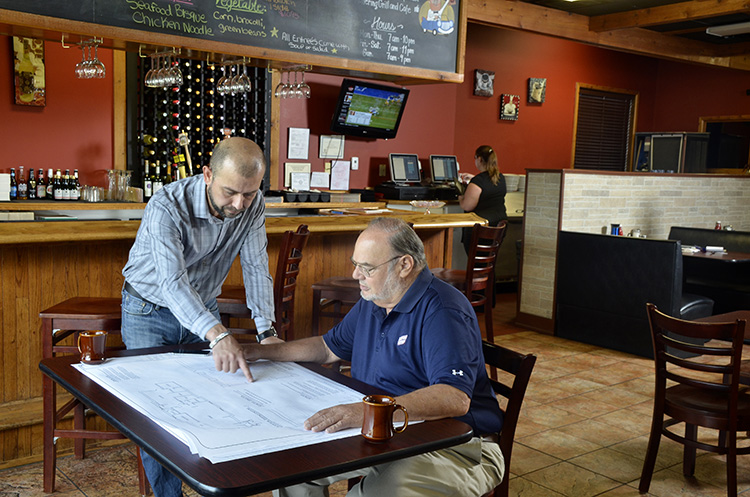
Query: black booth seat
[604,283]
[727,283]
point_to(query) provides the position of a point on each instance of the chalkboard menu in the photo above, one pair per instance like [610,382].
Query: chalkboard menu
[407,33]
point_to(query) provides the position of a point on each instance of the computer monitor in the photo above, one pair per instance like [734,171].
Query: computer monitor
[444,168]
[405,168]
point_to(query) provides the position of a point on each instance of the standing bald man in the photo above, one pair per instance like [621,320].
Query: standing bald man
[192,231]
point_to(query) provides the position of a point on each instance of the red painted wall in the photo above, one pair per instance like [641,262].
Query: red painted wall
[74,129]
[427,127]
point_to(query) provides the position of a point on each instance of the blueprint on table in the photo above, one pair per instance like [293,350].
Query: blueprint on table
[222,416]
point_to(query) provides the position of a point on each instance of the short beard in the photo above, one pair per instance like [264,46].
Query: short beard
[219,210]
[391,287]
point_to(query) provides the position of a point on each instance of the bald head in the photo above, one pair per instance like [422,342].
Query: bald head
[242,155]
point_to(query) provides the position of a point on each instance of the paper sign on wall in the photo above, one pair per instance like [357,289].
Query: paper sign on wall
[320,180]
[331,147]
[294,167]
[300,182]
[299,143]
[340,175]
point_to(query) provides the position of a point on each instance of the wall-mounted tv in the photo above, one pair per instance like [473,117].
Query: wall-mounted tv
[368,109]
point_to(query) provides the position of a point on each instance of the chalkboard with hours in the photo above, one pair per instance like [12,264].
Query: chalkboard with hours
[408,33]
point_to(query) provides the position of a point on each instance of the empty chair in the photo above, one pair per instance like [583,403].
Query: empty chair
[705,390]
[513,388]
[233,303]
[479,275]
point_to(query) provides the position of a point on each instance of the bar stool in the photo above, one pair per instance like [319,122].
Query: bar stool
[479,275]
[233,303]
[60,321]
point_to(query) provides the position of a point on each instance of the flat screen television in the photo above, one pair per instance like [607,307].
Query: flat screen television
[368,109]
[444,168]
[405,168]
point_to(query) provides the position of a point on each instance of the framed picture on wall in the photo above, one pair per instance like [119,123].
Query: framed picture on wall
[537,89]
[509,107]
[28,72]
[484,82]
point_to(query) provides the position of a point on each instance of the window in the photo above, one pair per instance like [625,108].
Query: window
[604,128]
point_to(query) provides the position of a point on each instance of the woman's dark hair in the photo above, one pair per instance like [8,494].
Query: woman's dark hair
[489,159]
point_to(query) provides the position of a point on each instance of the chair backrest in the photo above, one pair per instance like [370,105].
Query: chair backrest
[285,281]
[480,267]
[513,388]
[714,366]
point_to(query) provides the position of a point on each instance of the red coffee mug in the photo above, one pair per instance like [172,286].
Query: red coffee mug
[378,420]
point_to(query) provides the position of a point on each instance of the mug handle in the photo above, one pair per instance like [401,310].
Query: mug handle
[406,418]
[79,343]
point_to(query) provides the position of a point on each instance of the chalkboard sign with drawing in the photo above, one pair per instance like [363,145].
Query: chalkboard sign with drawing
[408,33]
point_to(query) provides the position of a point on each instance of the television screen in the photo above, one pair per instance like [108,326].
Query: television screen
[444,168]
[405,168]
[368,109]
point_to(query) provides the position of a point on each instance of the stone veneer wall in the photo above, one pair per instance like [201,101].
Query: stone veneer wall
[592,200]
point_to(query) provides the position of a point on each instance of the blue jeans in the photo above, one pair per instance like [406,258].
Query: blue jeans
[147,325]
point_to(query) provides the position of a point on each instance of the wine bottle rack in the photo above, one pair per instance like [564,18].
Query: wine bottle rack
[197,109]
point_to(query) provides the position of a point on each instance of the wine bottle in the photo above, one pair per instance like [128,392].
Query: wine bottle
[57,187]
[13,184]
[156,183]
[50,184]
[41,186]
[66,185]
[23,192]
[76,186]
[32,185]
[147,184]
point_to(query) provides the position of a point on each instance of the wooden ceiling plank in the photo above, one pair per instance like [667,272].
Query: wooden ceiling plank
[515,14]
[666,14]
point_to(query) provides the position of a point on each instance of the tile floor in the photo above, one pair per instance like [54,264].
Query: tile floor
[582,432]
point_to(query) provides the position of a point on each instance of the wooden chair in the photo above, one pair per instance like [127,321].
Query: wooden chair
[706,392]
[233,303]
[519,366]
[479,275]
[60,321]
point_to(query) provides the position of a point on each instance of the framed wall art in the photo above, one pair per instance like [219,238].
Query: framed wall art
[28,72]
[484,82]
[537,89]
[509,107]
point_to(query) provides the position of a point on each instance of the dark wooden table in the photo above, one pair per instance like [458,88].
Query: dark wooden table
[721,256]
[260,473]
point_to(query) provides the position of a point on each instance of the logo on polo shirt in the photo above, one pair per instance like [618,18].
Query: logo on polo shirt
[460,372]
[402,339]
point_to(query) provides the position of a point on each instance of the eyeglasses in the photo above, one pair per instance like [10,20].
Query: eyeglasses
[368,270]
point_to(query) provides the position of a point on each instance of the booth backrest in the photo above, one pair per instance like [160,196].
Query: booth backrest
[732,241]
[604,283]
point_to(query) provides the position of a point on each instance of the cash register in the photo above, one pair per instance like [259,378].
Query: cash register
[406,179]
[444,169]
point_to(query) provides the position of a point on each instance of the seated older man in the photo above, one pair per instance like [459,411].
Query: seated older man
[416,337]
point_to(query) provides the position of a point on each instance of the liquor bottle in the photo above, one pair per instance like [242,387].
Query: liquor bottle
[57,187]
[50,185]
[147,184]
[66,185]
[76,186]
[32,185]
[149,140]
[13,184]
[157,183]
[23,192]
[41,186]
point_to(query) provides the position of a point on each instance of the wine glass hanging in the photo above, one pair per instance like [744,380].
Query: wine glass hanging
[90,66]
[288,89]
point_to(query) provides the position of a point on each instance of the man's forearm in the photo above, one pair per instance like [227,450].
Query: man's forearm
[313,349]
[435,402]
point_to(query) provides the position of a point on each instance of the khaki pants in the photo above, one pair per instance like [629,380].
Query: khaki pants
[471,469]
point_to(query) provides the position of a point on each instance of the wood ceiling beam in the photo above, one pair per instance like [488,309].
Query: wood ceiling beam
[666,14]
[524,16]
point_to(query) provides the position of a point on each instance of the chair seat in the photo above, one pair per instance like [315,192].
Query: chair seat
[455,277]
[685,398]
[694,307]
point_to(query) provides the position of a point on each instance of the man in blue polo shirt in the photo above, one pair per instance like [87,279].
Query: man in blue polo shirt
[416,337]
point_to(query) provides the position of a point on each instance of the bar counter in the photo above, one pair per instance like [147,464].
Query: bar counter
[44,263]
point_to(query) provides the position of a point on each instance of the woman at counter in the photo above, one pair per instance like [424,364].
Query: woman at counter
[485,193]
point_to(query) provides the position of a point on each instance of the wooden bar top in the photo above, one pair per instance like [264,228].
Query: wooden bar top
[27,232]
